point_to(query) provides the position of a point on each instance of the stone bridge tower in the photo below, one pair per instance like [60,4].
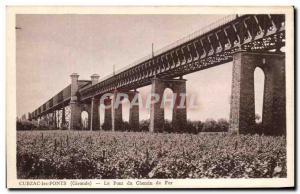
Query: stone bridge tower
[77,107]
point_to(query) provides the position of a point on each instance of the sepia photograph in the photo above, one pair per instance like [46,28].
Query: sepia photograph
[150,97]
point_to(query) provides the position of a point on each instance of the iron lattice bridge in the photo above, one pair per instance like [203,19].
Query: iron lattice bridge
[203,49]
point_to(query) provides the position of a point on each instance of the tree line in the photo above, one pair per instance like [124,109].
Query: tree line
[209,125]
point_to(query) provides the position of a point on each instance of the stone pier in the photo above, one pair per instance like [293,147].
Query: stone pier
[95,117]
[242,112]
[117,120]
[75,120]
[107,124]
[95,103]
[157,119]
[134,118]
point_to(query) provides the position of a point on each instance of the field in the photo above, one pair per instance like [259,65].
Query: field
[105,155]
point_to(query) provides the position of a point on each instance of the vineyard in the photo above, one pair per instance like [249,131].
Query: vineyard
[124,155]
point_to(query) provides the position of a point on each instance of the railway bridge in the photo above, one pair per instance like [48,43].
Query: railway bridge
[249,41]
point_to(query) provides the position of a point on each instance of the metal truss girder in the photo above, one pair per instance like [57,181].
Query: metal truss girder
[247,32]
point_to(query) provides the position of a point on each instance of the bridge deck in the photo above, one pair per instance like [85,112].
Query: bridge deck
[198,51]
[60,100]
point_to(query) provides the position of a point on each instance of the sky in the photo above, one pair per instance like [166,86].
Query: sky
[50,48]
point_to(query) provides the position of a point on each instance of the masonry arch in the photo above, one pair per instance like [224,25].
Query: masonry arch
[84,120]
[125,109]
[168,105]
[259,84]
[101,114]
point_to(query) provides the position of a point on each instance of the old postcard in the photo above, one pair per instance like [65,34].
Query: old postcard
[150,97]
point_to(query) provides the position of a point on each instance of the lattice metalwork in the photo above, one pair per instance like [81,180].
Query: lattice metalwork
[203,50]
[68,116]
[59,118]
